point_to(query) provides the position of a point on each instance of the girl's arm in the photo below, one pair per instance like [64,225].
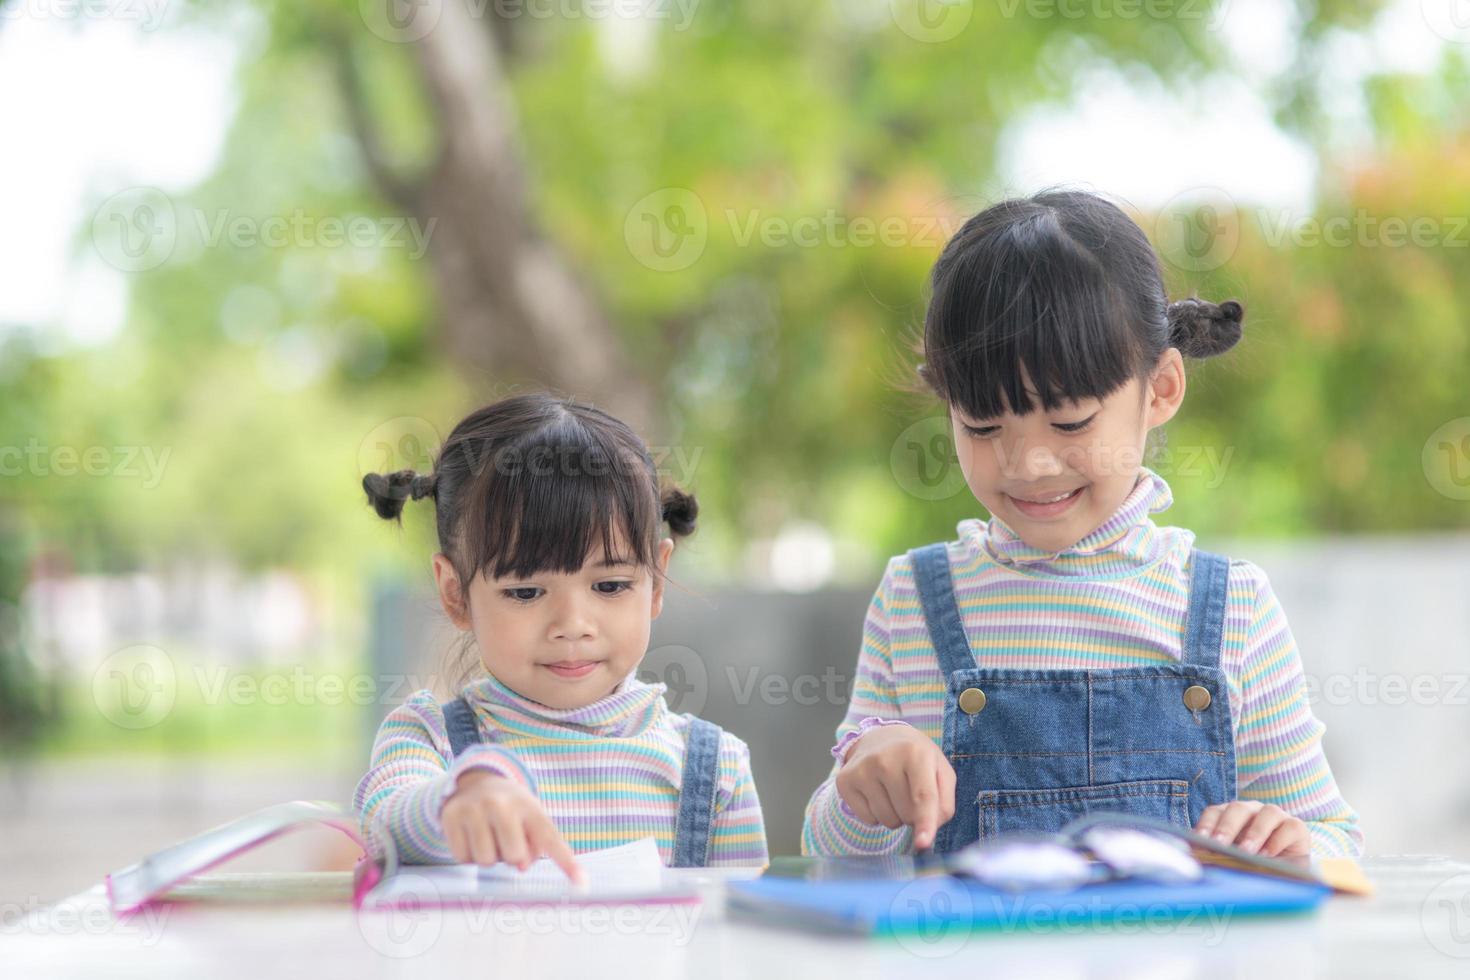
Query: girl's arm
[830,827]
[412,775]
[738,833]
[1278,741]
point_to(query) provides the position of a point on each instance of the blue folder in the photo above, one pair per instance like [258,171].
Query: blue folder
[928,904]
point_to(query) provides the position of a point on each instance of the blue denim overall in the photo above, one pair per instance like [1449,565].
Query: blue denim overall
[1034,749]
[696,790]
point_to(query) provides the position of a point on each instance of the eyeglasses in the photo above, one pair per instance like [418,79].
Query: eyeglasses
[1102,847]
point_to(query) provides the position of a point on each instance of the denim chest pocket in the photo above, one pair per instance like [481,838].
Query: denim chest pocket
[1048,810]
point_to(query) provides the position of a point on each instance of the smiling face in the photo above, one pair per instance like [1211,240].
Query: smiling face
[1054,476]
[562,639]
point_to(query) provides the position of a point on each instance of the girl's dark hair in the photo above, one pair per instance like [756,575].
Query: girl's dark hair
[1066,286]
[529,484]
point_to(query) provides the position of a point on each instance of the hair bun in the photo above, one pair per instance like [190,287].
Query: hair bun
[680,509]
[388,492]
[1202,329]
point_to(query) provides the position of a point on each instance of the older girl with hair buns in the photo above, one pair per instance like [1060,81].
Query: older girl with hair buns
[1067,654]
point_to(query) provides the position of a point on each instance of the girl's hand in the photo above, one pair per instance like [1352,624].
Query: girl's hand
[1261,828]
[490,818]
[895,776]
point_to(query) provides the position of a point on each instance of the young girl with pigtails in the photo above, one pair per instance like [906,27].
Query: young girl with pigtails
[552,560]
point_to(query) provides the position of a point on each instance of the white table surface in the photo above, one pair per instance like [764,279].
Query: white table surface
[1416,925]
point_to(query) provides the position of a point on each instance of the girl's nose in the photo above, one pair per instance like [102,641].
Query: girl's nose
[571,621]
[1031,461]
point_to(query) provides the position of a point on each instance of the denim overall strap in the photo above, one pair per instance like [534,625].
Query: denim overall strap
[697,795]
[1204,629]
[941,611]
[1035,748]
[459,719]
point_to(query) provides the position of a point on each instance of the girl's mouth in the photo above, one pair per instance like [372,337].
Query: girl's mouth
[1045,507]
[572,668]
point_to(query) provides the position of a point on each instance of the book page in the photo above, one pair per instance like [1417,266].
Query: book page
[627,872]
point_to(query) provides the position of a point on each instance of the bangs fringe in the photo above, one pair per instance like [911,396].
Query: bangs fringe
[550,502]
[1026,303]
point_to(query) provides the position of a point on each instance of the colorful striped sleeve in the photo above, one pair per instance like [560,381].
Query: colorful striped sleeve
[1278,741]
[830,827]
[738,834]
[411,775]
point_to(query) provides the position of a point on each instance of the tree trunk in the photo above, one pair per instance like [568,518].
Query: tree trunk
[511,307]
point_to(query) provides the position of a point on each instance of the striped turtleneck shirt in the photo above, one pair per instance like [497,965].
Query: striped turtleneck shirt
[1117,598]
[608,773]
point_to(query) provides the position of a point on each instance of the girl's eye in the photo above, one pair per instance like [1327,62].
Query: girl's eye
[1074,426]
[982,431]
[613,588]
[524,593]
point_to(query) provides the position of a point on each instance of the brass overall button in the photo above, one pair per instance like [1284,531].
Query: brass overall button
[1196,698]
[972,700]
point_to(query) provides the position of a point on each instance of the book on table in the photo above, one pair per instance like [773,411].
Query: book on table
[1016,881]
[628,873]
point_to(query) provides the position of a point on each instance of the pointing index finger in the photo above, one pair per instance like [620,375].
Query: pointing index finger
[556,848]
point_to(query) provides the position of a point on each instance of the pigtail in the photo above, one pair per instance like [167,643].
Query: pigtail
[572,472]
[1202,329]
[680,509]
[388,492]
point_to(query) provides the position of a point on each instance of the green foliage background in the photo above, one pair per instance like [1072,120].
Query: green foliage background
[776,362]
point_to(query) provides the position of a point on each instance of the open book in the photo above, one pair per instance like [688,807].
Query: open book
[1341,874]
[631,872]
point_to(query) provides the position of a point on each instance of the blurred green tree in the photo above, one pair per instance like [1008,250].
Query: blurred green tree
[719,226]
